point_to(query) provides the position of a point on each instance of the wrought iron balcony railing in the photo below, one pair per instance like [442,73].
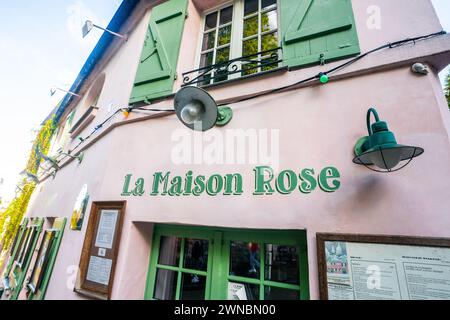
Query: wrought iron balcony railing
[234,68]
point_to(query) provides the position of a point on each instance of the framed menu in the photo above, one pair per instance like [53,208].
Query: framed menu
[100,249]
[371,267]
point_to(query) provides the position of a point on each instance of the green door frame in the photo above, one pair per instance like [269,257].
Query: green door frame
[218,258]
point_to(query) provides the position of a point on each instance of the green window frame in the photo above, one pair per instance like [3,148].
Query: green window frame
[218,266]
[18,271]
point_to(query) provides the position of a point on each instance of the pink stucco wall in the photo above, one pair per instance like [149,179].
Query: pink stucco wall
[318,127]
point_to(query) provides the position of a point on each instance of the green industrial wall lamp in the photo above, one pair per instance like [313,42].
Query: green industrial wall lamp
[198,111]
[379,151]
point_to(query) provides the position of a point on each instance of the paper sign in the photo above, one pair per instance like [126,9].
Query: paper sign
[102,252]
[99,270]
[106,228]
[236,291]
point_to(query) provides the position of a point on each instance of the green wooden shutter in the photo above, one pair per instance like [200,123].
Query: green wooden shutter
[157,66]
[58,228]
[316,31]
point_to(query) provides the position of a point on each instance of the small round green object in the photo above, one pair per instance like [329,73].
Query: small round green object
[324,78]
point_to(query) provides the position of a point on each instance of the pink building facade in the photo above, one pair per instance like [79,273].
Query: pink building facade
[168,245]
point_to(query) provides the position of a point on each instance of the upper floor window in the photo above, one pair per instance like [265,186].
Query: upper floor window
[239,39]
[260,34]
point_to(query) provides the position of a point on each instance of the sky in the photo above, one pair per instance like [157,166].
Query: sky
[41,46]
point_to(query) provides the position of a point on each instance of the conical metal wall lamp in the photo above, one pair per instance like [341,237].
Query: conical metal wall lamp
[198,111]
[379,151]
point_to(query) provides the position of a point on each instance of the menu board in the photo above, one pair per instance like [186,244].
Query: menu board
[100,249]
[377,271]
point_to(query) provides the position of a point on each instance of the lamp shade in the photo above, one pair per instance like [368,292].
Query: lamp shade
[195,108]
[380,148]
[87,27]
[388,157]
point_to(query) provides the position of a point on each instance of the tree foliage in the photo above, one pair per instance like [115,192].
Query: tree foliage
[11,217]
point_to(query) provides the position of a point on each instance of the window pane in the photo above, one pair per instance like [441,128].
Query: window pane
[211,21]
[250,6]
[166,285]
[226,15]
[169,251]
[206,59]
[224,35]
[282,264]
[209,40]
[196,254]
[249,68]
[269,21]
[223,55]
[244,259]
[274,293]
[250,47]
[267,3]
[269,41]
[243,291]
[250,26]
[193,287]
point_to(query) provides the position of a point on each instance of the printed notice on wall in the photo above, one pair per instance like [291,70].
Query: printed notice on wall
[106,228]
[99,270]
[362,271]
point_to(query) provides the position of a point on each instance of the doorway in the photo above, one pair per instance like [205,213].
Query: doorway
[202,263]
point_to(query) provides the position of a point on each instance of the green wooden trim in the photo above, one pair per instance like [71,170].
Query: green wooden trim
[20,273]
[281,285]
[219,258]
[327,27]
[151,274]
[12,257]
[262,270]
[317,31]
[329,56]
[184,270]
[156,71]
[300,14]
[244,280]
[179,276]
[40,293]
[304,272]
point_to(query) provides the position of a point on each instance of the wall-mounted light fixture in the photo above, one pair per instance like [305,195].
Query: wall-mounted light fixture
[89,25]
[198,111]
[52,161]
[379,151]
[54,89]
[79,157]
[30,176]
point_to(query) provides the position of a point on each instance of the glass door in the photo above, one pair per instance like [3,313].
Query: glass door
[180,265]
[265,266]
[196,263]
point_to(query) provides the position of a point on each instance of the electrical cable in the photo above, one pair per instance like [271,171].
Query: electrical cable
[339,67]
[390,45]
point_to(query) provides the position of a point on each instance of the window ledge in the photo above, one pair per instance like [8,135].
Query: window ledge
[84,121]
